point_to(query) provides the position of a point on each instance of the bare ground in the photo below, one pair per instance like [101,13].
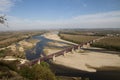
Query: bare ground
[91,60]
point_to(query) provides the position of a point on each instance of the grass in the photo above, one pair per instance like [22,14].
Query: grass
[7,38]
[9,71]
[111,43]
[37,72]
[77,38]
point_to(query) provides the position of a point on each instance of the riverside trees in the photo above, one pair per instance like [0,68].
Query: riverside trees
[37,72]
[3,20]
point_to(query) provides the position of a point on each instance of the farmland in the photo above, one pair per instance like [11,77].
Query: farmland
[77,38]
[111,43]
[7,38]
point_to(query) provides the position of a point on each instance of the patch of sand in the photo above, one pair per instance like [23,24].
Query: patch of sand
[57,44]
[54,36]
[83,61]
[25,43]
[91,58]
[12,47]
[11,58]
[48,50]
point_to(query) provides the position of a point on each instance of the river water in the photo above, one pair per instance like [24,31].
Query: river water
[99,75]
[38,48]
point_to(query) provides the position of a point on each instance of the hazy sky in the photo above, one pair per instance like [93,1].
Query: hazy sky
[46,14]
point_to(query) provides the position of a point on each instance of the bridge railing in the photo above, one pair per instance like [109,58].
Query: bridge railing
[62,52]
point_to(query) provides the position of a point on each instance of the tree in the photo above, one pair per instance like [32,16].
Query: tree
[37,72]
[3,20]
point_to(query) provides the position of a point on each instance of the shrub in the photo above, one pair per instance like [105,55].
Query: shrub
[37,72]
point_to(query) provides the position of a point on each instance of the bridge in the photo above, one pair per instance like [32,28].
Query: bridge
[65,51]
[83,74]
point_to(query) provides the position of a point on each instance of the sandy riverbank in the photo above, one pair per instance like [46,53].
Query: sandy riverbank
[55,37]
[12,58]
[18,50]
[56,45]
[89,61]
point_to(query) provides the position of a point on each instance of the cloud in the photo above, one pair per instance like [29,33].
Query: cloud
[99,15]
[98,20]
[6,5]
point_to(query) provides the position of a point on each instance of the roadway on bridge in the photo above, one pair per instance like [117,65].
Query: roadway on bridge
[90,60]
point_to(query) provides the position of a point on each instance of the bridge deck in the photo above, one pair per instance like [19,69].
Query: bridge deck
[62,52]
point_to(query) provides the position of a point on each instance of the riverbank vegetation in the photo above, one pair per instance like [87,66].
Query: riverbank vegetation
[111,43]
[36,72]
[92,32]
[15,43]
[8,71]
[7,38]
[77,38]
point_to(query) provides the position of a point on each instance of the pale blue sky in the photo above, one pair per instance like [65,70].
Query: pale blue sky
[38,14]
[63,9]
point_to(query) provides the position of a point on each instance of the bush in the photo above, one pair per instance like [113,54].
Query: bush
[8,69]
[37,72]
[26,72]
[5,52]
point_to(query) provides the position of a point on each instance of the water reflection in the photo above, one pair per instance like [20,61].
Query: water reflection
[38,48]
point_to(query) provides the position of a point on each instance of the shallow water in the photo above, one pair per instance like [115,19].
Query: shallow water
[38,48]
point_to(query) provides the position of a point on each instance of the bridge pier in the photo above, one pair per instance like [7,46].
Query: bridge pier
[94,41]
[87,45]
[91,42]
[70,50]
[53,58]
[84,46]
[64,54]
[38,61]
[78,49]
[73,51]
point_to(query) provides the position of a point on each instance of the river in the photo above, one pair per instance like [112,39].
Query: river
[38,48]
[61,70]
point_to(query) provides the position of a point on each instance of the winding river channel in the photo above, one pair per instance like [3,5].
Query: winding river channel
[38,48]
[61,70]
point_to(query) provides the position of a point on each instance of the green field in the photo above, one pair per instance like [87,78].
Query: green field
[77,38]
[111,43]
[7,38]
